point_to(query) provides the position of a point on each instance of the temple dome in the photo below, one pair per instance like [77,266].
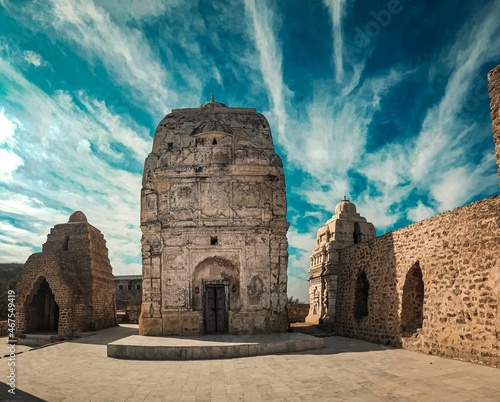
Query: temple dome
[212,104]
[77,216]
[345,206]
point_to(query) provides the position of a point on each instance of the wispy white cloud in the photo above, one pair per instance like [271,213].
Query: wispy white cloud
[54,133]
[134,137]
[123,50]
[127,10]
[445,132]
[337,9]
[7,128]
[459,184]
[270,57]
[436,160]
[33,58]
[10,163]
[420,212]
[9,160]
[332,138]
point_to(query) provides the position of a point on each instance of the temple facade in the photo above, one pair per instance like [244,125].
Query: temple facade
[343,229]
[213,219]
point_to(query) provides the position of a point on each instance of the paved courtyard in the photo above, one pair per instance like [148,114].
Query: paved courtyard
[345,370]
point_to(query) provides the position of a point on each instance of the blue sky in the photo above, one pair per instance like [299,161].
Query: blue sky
[385,101]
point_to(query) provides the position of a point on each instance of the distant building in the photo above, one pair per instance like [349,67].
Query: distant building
[68,288]
[128,290]
[128,298]
[213,219]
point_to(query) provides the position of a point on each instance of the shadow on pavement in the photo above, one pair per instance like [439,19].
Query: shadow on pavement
[108,335]
[336,343]
[6,396]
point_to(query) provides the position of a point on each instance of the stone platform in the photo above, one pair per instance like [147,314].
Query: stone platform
[139,347]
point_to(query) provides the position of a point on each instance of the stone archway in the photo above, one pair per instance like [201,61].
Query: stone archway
[42,311]
[216,291]
[412,309]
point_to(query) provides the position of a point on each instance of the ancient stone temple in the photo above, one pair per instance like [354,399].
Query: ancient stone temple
[68,288]
[344,229]
[213,219]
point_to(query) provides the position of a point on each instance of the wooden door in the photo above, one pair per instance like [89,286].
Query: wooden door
[215,309]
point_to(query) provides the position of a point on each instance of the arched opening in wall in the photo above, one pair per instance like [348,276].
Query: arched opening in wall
[361,291]
[412,310]
[42,313]
[216,291]
[357,233]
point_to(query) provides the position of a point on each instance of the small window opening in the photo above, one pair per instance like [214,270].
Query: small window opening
[214,240]
[214,142]
[138,286]
[170,145]
[361,296]
[120,287]
[129,286]
[357,233]
[65,243]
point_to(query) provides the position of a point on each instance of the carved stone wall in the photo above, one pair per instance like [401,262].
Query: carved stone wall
[67,288]
[432,287]
[213,218]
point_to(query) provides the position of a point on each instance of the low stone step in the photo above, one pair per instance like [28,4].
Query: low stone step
[139,347]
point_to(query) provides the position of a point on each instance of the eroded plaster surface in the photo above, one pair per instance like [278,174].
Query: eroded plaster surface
[213,219]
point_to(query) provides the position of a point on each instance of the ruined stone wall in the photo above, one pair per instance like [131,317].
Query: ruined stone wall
[494,89]
[432,287]
[75,265]
[103,286]
[213,213]
[66,286]
[297,312]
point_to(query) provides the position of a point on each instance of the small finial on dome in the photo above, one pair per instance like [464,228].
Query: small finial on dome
[345,198]
[212,98]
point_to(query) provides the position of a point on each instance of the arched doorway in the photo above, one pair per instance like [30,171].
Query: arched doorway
[412,310]
[216,291]
[43,310]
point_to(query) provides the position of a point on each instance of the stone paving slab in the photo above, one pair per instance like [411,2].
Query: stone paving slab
[210,346]
[345,370]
